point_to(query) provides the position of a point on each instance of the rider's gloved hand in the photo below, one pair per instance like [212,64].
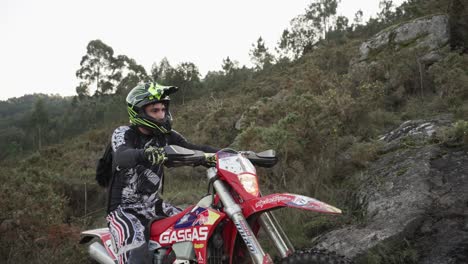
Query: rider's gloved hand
[210,160]
[155,156]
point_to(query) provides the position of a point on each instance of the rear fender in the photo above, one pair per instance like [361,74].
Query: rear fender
[278,200]
[101,234]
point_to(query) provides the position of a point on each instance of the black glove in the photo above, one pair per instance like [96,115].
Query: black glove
[156,156]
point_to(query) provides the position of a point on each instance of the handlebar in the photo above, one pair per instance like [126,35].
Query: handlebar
[179,156]
[265,158]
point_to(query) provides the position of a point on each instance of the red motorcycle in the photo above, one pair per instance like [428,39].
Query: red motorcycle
[223,226]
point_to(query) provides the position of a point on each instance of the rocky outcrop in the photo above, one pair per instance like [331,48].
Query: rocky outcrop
[416,191]
[427,32]
[414,45]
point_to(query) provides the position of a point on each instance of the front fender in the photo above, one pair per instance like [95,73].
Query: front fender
[278,200]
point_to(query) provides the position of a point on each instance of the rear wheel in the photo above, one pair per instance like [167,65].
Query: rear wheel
[314,256]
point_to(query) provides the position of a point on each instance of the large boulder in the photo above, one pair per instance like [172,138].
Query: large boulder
[428,32]
[417,192]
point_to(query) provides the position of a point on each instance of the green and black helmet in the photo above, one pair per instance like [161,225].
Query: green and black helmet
[150,93]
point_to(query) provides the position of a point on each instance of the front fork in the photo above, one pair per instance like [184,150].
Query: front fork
[267,221]
[276,234]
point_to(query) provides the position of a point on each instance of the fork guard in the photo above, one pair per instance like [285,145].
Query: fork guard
[278,200]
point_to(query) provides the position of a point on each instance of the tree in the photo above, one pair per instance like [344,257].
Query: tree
[189,72]
[320,12]
[260,55]
[187,77]
[163,73]
[386,15]
[358,17]
[357,20]
[215,80]
[341,23]
[95,68]
[82,90]
[39,120]
[339,30]
[306,29]
[127,73]
[297,40]
[109,73]
[228,66]
[12,140]
[154,73]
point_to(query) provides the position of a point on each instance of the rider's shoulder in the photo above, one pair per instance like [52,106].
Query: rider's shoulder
[121,130]
[175,135]
[174,132]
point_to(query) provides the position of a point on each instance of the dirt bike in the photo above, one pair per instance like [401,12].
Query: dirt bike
[223,226]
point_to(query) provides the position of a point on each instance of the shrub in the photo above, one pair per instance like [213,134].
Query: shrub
[450,76]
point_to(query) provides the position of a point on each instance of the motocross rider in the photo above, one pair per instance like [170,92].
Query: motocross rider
[138,173]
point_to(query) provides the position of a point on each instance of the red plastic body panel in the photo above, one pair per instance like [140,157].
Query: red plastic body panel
[235,184]
[195,224]
[233,180]
[278,200]
[160,226]
[104,235]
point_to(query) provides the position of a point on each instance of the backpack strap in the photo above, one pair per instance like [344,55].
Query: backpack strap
[104,167]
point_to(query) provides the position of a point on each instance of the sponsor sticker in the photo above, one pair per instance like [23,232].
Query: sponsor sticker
[188,219]
[270,200]
[198,246]
[199,216]
[200,258]
[191,234]
[300,201]
[246,235]
[207,217]
[304,201]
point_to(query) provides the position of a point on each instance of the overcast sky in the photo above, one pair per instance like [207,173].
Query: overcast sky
[42,42]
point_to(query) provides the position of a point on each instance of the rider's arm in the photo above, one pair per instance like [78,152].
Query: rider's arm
[175,138]
[126,155]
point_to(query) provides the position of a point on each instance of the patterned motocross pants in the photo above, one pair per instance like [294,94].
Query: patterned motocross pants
[129,229]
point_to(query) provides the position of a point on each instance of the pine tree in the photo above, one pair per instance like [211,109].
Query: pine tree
[260,55]
[39,121]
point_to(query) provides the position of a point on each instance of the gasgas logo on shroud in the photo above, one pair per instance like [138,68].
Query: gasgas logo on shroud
[190,234]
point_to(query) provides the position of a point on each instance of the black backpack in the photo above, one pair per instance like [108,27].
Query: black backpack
[104,167]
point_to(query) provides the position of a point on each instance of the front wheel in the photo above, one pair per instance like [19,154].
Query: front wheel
[314,256]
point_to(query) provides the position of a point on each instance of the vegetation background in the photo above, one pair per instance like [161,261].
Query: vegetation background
[302,99]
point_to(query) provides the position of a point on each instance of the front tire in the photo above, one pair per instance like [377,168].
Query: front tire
[314,256]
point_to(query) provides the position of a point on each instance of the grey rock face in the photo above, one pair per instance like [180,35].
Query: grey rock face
[428,32]
[239,123]
[417,191]
[431,32]
[379,41]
